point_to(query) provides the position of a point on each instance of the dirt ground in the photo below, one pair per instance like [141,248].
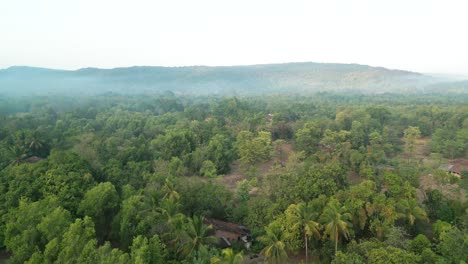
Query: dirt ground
[428,181]
[238,173]
[451,191]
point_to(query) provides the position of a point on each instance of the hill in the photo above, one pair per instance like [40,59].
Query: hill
[306,77]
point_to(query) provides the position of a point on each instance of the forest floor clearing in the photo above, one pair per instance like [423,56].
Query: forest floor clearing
[423,152]
[451,191]
[429,181]
[239,173]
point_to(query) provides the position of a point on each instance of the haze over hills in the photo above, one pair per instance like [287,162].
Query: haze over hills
[305,77]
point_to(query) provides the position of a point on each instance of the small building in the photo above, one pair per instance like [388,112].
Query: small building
[229,233]
[456,168]
[32,159]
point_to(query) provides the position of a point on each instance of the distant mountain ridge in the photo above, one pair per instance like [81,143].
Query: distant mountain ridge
[301,77]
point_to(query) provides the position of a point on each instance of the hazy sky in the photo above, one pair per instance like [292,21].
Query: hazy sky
[418,35]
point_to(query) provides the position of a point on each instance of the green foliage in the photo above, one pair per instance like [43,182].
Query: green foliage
[228,257]
[221,153]
[100,203]
[411,134]
[208,199]
[196,236]
[302,218]
[453,244]
[335,222]
[242,192]
[253,148]
[419,244]
[440,227]
[175,143]
[68,178]
[345,258]
[392,255]
[208,169]
[308,138]
[77,242]
[275,248]
[140,251]
[124,165]
[28,231]
[428,256]
[131,222]
[108,255]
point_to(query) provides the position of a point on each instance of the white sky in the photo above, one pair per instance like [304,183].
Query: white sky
[418,35]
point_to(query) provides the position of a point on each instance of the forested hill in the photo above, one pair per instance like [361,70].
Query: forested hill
[304,77]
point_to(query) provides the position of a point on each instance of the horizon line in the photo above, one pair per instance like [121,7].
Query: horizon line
[210,66]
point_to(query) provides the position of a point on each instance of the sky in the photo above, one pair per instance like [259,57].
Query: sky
[418,35]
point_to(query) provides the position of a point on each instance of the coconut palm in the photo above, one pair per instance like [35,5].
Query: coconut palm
[174,222]
[275,250]
[170,209]
[410,210]
[35,141]
[335,222]
[196,235]
[17,154]
[303,216]
[169,190]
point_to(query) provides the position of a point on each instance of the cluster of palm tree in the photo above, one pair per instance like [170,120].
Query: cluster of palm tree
[332,223]
[17,154]
[24,146]
[187,237]
[315,220]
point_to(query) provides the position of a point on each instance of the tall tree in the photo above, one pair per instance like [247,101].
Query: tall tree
[17,154]
[196,236]
[275,249]
[410,135]
[100,203]
[410,210]
[75,240]
[335,222]
[303,218]
[35,141]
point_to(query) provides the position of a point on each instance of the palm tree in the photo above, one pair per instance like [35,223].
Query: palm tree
[170,209]
[303,218]
[229,257]
[410,210]
[174,222]
[169,189]
[17,154]
[335,222]
[176,234]
[36,142]
[196,235]
[275,251]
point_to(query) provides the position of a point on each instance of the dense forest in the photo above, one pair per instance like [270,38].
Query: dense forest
[324,178]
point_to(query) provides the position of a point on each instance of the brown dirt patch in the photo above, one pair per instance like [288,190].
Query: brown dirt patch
[451,191]
[423,150]
[230,180]
[238,173]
